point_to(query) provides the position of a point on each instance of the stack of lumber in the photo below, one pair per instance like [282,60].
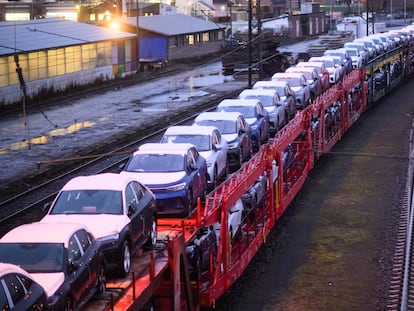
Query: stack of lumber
[333,40]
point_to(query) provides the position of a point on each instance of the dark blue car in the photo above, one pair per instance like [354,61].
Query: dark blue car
[175,173]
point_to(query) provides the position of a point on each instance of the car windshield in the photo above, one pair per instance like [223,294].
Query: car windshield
[88,202]
[307,74]
[246,111]
[352,53]
[293,81]
[267,101]
[34,257]
[202,142]
[224,126]
[154,162]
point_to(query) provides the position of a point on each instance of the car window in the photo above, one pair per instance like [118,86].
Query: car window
[190,158]
[14,287]
[130,196]
[84,239]
[154,162]
[138,189]
[4,303]
[215,137]
[74,251]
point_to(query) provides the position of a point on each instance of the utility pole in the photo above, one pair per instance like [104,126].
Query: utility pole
[137,11]
[259,37]
[250,47]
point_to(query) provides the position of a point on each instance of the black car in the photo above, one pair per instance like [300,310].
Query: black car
[18,290]
[119,211]
[233,128]
[64,258]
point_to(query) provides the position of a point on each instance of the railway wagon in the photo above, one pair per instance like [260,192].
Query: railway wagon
[165,279]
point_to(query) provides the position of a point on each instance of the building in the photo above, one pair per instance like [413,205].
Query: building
[55,54]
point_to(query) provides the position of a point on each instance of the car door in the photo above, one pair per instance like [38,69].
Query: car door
[77,270]
[197,176]
[221,155]
[133,206]
[246,135]
[89,257]
[264,120]
[145,209]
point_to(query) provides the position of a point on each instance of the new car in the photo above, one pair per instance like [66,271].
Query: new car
[64,258]
[254,113]
[119,210]
[209,142]
[345,58]
[234,221]
[235,130]
[272,103]
[334,68]
[175,173]
[320,69]
[312,77]
[18,290]
[357,59]
[299,85]
[287,95]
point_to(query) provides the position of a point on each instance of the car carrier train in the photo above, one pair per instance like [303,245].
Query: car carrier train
[195,261]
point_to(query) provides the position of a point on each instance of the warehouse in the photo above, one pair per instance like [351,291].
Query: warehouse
[55,54]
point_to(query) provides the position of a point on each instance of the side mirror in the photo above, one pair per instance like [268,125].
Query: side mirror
[121,166]
[46,207]
[193,167]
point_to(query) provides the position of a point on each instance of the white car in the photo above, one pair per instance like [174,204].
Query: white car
[334,68]
[119,210]
[235,130]
[299,85]
[209,142]
[234,221]
[357,59]
[272,103]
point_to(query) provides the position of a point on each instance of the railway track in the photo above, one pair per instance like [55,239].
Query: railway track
[28,205]
[401,291]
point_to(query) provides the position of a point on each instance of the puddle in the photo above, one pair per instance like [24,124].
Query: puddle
[174,96]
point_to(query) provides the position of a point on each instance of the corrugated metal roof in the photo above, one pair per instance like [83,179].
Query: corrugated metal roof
[50,33]
[173,24]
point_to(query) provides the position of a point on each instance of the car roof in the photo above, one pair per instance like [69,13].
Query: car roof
[300,69]
[104,181]
[190,130]
[179,148]
[308,64]
[218,115]
[288,74]
[263,92]
[6,268]
[238,102]
[259,84]
[42,232]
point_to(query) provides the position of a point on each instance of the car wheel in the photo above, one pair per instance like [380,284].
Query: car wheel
[101,285]
[125,262]
[69,304]
[152,237]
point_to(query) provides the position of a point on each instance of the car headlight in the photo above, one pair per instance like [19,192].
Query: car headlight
[177,187]
[111,237]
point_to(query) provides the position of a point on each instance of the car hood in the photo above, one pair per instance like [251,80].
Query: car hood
[230,137]
[296,88]
[101,225]
[156,179]
[206,154]
[50,281]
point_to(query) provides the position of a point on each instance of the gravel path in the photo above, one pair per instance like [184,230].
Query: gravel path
[333,248]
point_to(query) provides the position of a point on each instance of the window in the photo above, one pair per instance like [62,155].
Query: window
[15,288]
[130,196]
[138,189]
[74,252]
[84,239]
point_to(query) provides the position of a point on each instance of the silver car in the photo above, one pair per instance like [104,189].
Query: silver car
[271,101]
[209,142]
[299,85]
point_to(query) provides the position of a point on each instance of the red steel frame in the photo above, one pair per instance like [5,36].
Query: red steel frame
[165,281]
